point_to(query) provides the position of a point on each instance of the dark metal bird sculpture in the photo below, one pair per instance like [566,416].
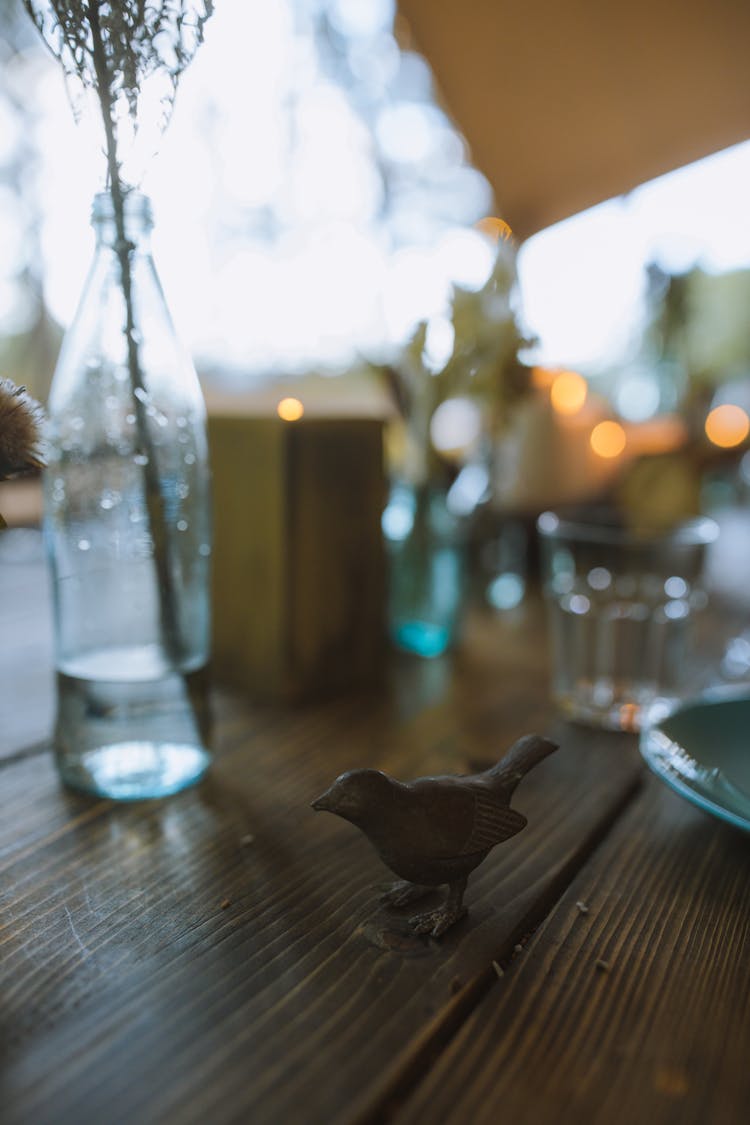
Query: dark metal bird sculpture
[435,830]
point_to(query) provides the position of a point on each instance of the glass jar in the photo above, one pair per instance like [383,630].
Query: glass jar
[127,526]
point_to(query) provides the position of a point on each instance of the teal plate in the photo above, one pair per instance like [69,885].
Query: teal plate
[702,750]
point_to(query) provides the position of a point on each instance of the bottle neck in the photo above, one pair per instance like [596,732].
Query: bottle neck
[137,218]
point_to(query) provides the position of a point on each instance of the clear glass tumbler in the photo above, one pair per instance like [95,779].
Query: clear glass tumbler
[622,605]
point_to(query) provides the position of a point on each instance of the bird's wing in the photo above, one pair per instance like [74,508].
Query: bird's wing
[493,823]
[438,816]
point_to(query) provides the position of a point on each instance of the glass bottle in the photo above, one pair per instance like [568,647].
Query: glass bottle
[425,545]
[127,527]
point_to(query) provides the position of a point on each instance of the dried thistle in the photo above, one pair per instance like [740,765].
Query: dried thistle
[20,430]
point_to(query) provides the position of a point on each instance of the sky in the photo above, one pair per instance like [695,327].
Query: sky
[583,280]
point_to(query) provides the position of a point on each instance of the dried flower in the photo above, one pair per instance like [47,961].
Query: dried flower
[20,430]
[128,52]
[117,49]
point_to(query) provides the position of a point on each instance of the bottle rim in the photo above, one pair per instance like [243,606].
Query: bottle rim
[137,209]
[601,527]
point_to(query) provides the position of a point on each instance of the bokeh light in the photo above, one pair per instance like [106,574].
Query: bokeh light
[727,425]
[568,392]
[455,426]
[637,396]
[290,409]
[506,591]
[494,228]
[608,439]
[438,345]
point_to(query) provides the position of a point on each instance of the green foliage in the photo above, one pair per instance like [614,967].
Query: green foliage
[483,365]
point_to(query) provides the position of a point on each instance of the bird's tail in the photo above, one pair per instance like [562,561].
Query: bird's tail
[523,755]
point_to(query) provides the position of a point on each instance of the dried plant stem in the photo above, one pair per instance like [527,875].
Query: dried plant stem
[171,633]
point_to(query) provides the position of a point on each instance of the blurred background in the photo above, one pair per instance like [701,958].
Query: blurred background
[322,196]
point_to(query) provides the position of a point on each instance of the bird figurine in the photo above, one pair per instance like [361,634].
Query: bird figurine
[435,830]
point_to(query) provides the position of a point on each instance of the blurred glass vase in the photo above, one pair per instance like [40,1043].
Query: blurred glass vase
[425,545]
[127,526]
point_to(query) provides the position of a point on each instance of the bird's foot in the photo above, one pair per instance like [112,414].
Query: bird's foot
[436,922]
[402,893]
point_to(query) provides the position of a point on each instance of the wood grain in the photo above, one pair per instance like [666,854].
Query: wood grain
[156,968]
[220,956]
[298,567]
[637,1009]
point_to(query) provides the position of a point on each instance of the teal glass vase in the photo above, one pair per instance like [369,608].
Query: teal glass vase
[426,562]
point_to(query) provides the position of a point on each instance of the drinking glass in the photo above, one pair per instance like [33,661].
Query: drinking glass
[622,608]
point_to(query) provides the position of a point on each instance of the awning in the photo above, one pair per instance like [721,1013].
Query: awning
[565,103]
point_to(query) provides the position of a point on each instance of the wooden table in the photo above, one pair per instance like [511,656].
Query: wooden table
[220,956]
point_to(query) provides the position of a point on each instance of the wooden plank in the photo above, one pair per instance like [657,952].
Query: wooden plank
[155,968]
[335,496]
[298,572]
[637,1010]
[248,573]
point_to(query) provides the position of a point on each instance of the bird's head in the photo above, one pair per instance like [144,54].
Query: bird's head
[355,795]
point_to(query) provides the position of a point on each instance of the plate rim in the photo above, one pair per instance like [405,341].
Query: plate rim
[664,771]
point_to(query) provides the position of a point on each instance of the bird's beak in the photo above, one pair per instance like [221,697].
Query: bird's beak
[322,803]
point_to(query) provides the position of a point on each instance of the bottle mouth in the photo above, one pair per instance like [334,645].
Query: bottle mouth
[137,207]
